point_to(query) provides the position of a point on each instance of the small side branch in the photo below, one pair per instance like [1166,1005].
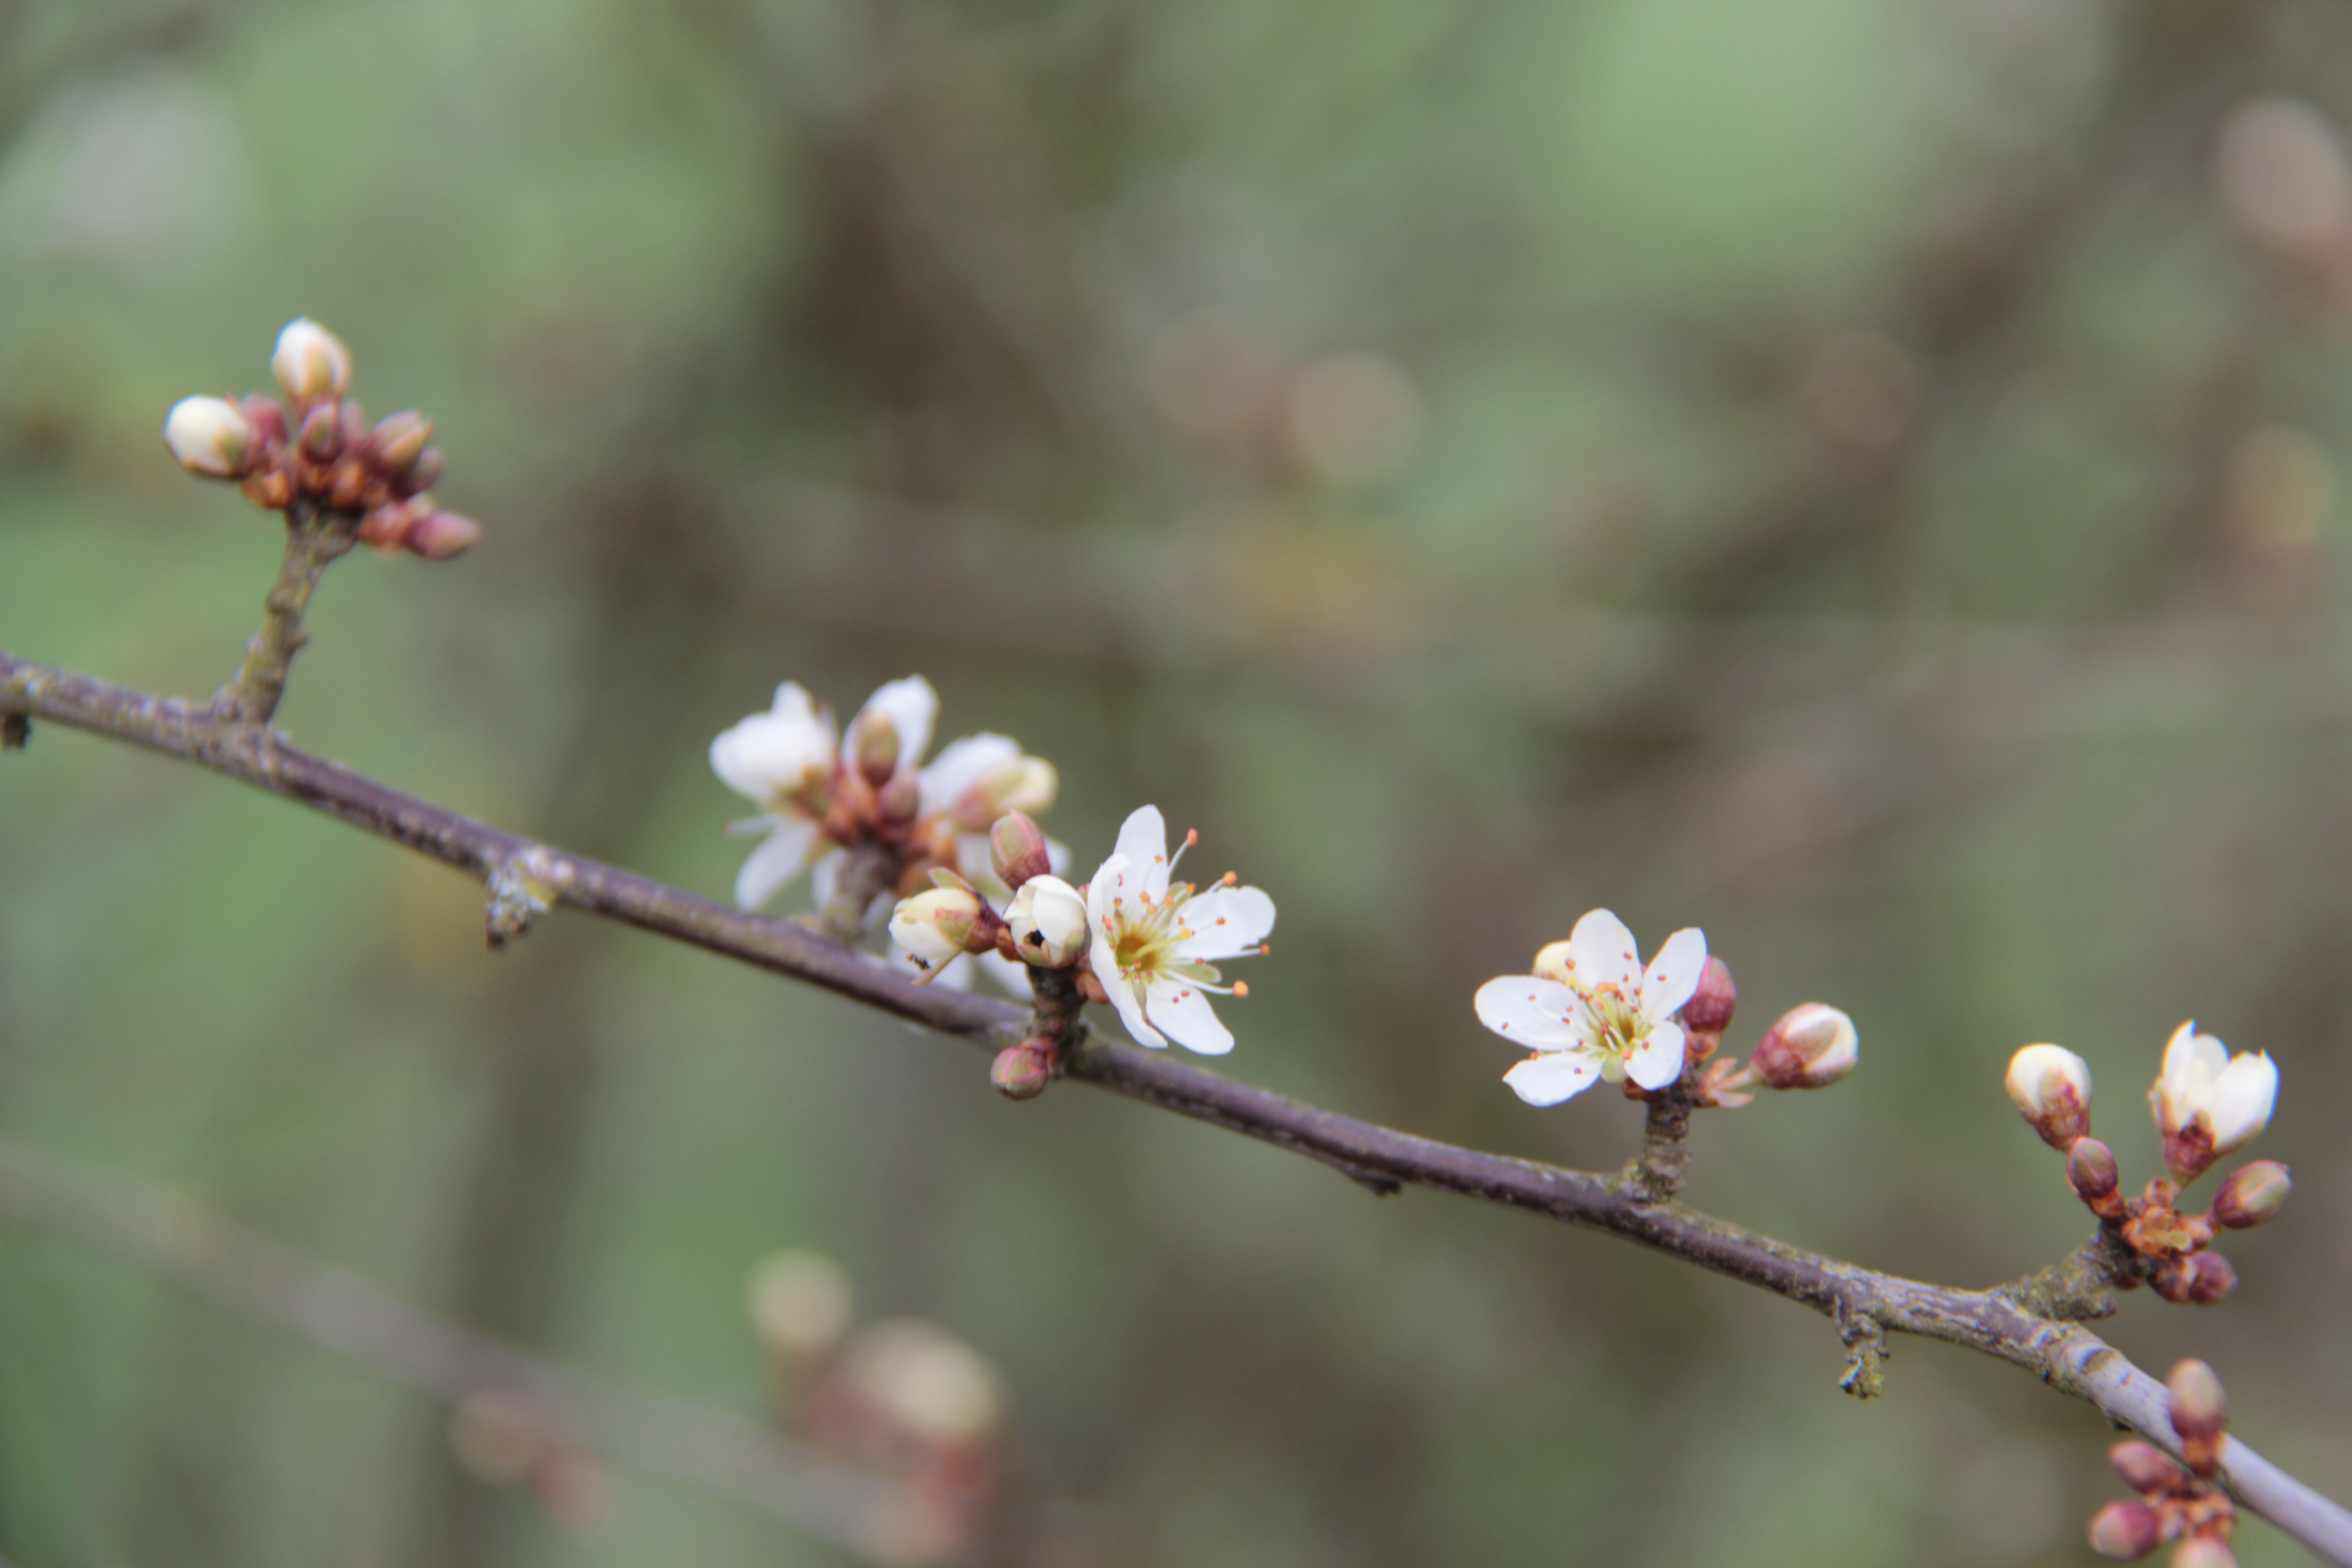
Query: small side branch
[2007,1324]
[354,1321]
[315,538]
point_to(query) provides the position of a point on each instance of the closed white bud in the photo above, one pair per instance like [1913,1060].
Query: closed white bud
[209,435]
[2051,1087]
[1812,1046]
[1048,918]
[926,1382]
[311,363]
[937,926]
[800,1303]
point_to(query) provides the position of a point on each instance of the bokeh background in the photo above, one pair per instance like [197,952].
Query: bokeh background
[1858,480]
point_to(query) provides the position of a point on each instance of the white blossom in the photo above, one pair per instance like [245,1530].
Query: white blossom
[1591,1012]
[2206,1094]
[1155,941]
[782,761]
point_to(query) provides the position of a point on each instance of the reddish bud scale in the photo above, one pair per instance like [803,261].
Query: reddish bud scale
[1016,846]
[2092,1172]
[2210,1278]
[1709,1010]
[2127,1530]
[2253,1195]
[2199,1413]
[1022,1071]
[2147,1470]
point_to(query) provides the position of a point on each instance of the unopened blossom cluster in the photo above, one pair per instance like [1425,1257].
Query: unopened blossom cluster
[2208,1104]
[2181,1503]
[901,1400]
[317,451]
[1131,936]
[1593,1012]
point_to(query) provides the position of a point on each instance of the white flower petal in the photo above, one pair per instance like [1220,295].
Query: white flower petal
[1657,1061]
[2243,1097]
[1143,841]
[1602,952]
[1057,857]
[774,753]
[912,708]
[1123,997]
[1673,975]
[1530,1011]
[1182,1011]
[775,862]
[960,765]
[827,877]
[1555,1075]
[1226,922]
[1117,892]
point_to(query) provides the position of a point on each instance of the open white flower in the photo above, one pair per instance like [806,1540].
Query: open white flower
[2207,1102]
[1591,1012]
[1155,941]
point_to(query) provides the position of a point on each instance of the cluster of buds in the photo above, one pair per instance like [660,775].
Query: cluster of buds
[902,1401]
[505,1440]
[318,449]
[2207,1104]
[2177,1502]
[1591,1013]
[1130,937]
[825,796]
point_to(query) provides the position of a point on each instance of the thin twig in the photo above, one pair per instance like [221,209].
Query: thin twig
[2023,1323]
[315,538]
[356,1321]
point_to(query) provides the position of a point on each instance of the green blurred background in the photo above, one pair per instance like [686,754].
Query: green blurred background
[1855,479]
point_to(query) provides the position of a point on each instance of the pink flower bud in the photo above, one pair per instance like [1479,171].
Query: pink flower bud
[2051,1088]
[2252,1195]
[1708,1012]
[2146,1468]
[210,437]
[2127,1530]
[2204,1551]
[1812,1047]
[1022,1071]
[2200,1411]
[1017,847]
[2091,1170]
[312,363]
[438,535]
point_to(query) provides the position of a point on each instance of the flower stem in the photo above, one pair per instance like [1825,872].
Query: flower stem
[314,538]
[1665,1152]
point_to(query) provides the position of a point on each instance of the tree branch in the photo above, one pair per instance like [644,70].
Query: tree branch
[344,1315]
[2028,1324]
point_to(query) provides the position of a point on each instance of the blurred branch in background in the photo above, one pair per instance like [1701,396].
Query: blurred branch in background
[498,1392]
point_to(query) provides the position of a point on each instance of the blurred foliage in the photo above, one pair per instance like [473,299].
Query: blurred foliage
[1855,479]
